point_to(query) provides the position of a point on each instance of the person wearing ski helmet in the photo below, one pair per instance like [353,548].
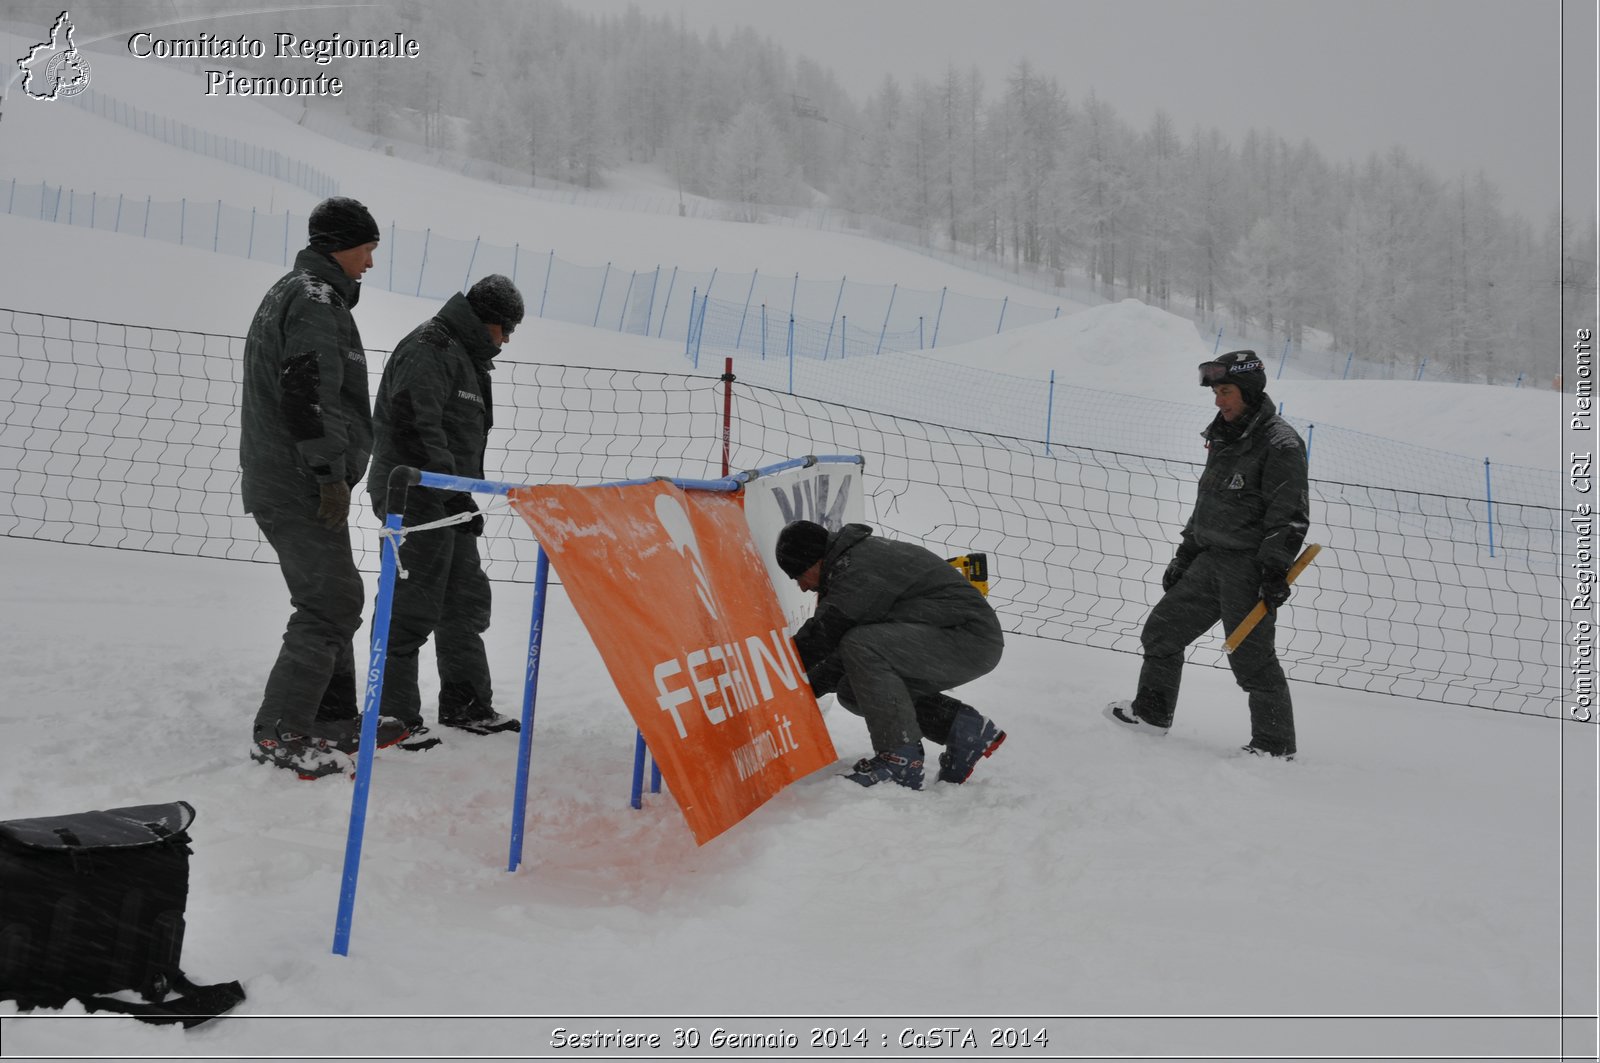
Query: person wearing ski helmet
[1251,513]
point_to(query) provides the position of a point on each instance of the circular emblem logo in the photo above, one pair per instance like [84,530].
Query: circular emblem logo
[68,72]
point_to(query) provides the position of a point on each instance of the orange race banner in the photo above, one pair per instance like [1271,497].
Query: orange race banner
[676,597]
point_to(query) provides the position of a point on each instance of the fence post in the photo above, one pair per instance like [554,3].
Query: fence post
[667,303]
[604,277]
[794,291]
[844,332]
[516,260]
[791,354]
[738,337]
[1049,410]
[623,316]
[1284,358]
[1488,491]
[427,238]
[549,266]
[763,332]
[1002,322]
[827,343]
[118,226]
[650,311]
[1422,368]
[250,244]
[1311,433]
[216,230]
[471,261]
[700,333]
[688,335]
[885,330]
[1347,360]
[938,317]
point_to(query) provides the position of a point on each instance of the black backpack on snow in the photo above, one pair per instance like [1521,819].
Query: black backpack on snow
[92,904]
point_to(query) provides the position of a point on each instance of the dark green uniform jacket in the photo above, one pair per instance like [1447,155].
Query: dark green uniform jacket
[305,418]
[1253,495]
[870,580]
[435,406]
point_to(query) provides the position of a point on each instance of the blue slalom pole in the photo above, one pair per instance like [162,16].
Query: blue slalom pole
[1049,410]
[549,266]
[1283,359]
[471,261]
[885,330]
[530,695]
[400,482]
[637,798]
[1217,346]
[427,238]
[745,313]
[1488,488]
[1347,360]
[834,319]
[604,277]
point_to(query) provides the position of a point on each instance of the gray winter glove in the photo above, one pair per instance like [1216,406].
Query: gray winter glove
[334,511]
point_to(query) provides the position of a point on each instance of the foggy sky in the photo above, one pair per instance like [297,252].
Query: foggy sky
[1462,85]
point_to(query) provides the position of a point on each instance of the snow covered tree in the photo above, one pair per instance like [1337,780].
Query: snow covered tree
[751,166]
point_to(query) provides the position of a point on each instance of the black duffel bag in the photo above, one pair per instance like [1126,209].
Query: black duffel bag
[92,904]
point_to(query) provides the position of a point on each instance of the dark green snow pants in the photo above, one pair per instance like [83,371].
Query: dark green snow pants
[314,675]
[1219,585]
[446,595]
[893,675]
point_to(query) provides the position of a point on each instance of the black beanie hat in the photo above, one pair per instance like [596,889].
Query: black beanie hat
[1243,369]
[801,544]
[340,223]
[496,301]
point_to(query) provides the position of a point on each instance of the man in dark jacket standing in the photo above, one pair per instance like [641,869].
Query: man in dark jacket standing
[895,626]
[434,410]
[1250,516]
[305,436]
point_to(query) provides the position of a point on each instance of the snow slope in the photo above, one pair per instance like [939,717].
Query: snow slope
[1086,882]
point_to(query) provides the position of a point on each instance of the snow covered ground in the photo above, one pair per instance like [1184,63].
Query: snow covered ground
[1114,891]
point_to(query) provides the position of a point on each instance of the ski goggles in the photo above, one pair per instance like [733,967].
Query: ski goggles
[1214,373]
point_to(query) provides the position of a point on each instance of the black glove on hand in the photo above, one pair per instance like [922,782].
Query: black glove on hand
[1175,570]
[1274,587]
[461,502]
[333,512]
